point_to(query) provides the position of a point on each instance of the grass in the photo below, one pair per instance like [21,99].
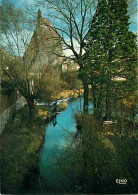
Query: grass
[20,144]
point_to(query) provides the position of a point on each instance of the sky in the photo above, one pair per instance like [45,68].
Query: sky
[133,18]
[19,4]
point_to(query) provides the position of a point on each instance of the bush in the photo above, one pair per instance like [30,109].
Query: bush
[70,80]
[93,161]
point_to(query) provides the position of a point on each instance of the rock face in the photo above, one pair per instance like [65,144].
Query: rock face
[45,46]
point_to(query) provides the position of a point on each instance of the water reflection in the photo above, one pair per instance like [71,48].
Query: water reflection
[54,140]
[55,120]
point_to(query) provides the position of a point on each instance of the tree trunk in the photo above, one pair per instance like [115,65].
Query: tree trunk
[30,103]
[107,104]
[86,93]
[95,103]
[99,102]
[107,113]
[94,96]
[84,80]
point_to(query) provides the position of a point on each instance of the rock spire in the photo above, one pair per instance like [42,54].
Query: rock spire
[45,46]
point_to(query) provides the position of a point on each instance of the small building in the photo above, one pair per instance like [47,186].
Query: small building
[69,64]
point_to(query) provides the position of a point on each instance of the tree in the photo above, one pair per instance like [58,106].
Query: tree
[17,68]
[52,85]
[106,158]
[70,79]
[72,21]
[111,48]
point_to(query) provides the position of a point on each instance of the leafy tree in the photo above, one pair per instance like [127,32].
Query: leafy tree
[51,85]
[111,53]
[70,79]
[106,158]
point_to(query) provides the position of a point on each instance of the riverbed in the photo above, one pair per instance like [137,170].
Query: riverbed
[55,138]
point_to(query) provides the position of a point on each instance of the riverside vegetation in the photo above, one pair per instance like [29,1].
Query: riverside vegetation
[96,156]
[104,148]
[20,147]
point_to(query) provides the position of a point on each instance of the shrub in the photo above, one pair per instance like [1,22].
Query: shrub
[93,161]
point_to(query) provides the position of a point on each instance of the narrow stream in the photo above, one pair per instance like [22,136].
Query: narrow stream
[55,138]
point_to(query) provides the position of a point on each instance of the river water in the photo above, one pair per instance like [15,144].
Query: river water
[55,139]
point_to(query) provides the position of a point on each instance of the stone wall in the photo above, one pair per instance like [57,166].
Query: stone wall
[8,114]
[6,100]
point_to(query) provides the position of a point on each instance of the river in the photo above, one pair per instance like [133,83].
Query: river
[55,139]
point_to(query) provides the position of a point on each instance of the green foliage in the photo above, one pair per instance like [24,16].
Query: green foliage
[50,85]
[92,161]
[20,144]
[7,88]
[111,53]
[70,79]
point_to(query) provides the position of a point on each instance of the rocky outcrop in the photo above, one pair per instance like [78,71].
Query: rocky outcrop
[45,47]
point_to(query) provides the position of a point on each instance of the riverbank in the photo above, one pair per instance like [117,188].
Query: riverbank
[20,145]
[55,139]
[68,93]
[92,159]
